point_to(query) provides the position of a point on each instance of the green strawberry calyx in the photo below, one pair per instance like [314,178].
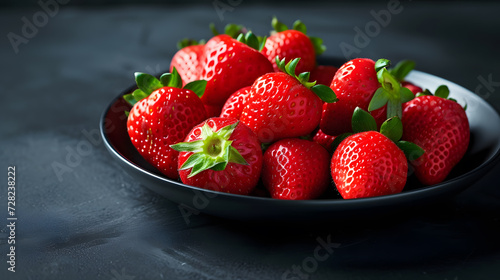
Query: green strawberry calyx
[231,29]
[240,33]
[392,128]
[325,93]
[402,69]
[186,42]
[390,92]
[298,25]
[213,151]
[441,91]
[251,40]
[147,83]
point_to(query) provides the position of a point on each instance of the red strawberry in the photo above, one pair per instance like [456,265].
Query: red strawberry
[187,61]
[414,88]
[369,163]
[296,169]
[440,126]
[220,154]
[324,140]
[366,84]
[283,105]
[162,115]
[291,44]
[323,74]
[234,104]
[229,65]
[213,110]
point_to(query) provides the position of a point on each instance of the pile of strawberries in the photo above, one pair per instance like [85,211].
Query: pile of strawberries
[242,111]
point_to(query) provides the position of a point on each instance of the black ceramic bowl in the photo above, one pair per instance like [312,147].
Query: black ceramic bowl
[482,155]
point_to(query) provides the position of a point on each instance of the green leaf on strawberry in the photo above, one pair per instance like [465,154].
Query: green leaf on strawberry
[231,29]
[171,79]
[186,42]
[325,93]
[442,91]
[392,128]
[147,83]
[381,63]
[362,121]
[214,151]
[402,69]
[252,41]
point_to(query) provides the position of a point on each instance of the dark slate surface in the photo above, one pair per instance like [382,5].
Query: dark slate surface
[93,221]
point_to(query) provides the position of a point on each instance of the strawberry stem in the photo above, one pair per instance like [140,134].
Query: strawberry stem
[213,151]
[390,93]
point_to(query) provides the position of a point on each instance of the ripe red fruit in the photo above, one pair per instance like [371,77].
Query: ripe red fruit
[414,88]
[291,44]
[323,74]
[213,110]
[324,140]
[366,84]
[161,117]
[229,65]
[187,61]
[368,164]
[235,103]
[282,105]
[354,84]
[440,126]
[296,169]
[220,154]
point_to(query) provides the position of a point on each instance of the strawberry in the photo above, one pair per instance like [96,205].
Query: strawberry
[296,169]
[229,65]
[220,154]
[213,110]
[162,114]
[440,126]
[414,88]
[291,44]
[324,140]
[323,74]
[366,84]
[234,104]
[187,60]
[283,105]
[369,163]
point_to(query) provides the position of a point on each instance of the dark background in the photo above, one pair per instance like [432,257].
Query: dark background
[97,222]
